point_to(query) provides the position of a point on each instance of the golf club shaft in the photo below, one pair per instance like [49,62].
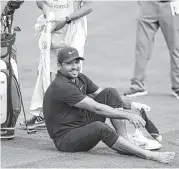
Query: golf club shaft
[29,131]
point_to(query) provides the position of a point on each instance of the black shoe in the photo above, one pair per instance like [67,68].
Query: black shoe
[150,127]
[34,122]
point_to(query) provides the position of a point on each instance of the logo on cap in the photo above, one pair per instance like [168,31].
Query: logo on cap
[71,52]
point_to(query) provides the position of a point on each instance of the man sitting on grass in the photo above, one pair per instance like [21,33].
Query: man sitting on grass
[75,110]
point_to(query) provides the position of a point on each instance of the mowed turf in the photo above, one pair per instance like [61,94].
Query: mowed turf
[109,61]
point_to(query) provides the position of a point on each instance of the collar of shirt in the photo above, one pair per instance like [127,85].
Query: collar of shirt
[62,77]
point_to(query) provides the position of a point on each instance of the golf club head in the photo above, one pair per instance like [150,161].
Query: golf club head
[31,131]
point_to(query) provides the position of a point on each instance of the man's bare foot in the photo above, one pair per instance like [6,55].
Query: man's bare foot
[163,157]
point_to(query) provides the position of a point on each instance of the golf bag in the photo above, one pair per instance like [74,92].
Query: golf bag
[10,101]
[10,95]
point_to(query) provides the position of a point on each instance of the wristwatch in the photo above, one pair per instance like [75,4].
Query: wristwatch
[68,21]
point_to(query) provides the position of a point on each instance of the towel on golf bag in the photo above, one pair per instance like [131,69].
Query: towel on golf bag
[10,101]
[43,78]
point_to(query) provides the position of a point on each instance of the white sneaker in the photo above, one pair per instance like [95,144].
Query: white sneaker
[145,143]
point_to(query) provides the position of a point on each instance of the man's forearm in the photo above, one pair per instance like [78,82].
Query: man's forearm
[102,109]
[110,112]
[115,113]
[107,111]
[84,10]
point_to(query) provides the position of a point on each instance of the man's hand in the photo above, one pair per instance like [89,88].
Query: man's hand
[56,24]
[138,106]
[59,25]
[137,121]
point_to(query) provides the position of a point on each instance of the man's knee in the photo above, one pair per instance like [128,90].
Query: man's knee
[110,90]
[112,97]
[102,128]
[107,134]
[110,93]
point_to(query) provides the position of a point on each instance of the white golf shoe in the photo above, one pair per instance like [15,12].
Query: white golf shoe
[140,140]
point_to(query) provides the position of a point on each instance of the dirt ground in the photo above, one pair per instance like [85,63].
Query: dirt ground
[109,61]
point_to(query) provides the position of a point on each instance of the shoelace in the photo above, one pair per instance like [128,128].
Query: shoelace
[138,142]
[136,139]
[39,118]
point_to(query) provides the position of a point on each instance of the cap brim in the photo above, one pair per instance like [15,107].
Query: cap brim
[73,58]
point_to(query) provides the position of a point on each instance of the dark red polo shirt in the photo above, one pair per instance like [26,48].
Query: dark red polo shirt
[58,106]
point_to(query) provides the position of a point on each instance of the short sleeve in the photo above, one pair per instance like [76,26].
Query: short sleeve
[68,93]
[90,86]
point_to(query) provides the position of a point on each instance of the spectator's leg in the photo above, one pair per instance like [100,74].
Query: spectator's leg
[170,29]
[147,26]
